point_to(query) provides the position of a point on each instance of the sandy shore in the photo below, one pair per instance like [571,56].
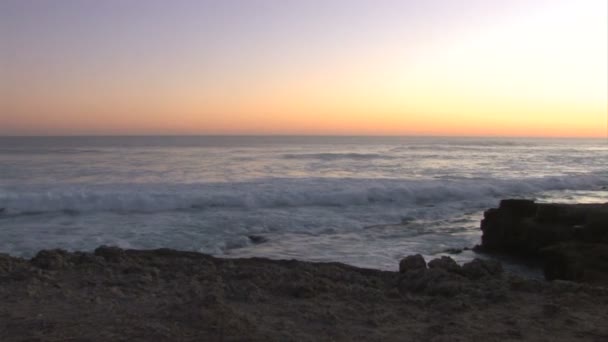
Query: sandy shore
[166,295]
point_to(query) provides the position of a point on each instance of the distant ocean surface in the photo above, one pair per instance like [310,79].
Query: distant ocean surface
[365,201]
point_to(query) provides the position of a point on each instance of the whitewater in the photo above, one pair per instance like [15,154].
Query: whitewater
[365,201]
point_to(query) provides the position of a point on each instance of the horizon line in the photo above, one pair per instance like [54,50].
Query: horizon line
[296,136]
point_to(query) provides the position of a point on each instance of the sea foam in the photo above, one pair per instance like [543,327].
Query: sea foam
[277,193]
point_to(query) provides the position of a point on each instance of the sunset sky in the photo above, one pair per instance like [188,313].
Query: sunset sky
[374,67]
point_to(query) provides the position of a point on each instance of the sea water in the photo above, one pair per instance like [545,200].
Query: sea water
[365,201]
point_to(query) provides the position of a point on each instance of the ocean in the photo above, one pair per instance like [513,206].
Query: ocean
[364,201]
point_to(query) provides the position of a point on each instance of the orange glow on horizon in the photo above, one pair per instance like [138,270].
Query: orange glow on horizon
[540,72]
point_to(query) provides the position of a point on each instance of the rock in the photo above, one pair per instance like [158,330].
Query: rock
[519,207]
[478,268]
[570,239]
[441,278]
[516,228]
[111,254]
[577,261]
[303,291]
[431,282]
[596,228]
[523,227]
[51,259]
[81,258]
[257,239]
[454,250]
[7,263]
[445,263]
[412,262]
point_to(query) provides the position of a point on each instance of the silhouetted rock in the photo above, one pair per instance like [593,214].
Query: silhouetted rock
[445,263]
[412,262]
[523,227]
[570,238]
[519,207]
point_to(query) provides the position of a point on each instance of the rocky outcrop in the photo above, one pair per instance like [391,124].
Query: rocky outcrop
[443,276]
[578,261]
[571,239]
[412,262]
[166,295]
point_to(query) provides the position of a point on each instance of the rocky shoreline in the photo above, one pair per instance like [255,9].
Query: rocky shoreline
[113,294]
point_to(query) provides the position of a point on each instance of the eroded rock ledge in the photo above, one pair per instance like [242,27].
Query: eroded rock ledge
[570,239]
[166,295]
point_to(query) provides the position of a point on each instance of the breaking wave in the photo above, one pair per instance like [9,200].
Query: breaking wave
[337,156]
[273,193]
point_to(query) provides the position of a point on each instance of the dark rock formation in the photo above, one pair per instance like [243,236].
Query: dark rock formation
[577,261]
[412,262]
[111,254]
[51,259]
[571,239]
[445,263]
[444,276]
[257,239]
[478,268]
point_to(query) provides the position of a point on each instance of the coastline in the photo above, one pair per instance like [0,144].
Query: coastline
[168,295]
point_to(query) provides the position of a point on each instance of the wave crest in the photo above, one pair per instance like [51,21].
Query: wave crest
[337,156]
[275,193]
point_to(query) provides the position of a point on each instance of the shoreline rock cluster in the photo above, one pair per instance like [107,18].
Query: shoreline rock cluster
[571,240]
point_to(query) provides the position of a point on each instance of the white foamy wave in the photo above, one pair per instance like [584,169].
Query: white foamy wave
[277,193]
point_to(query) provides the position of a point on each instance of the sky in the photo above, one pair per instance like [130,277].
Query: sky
[306,67]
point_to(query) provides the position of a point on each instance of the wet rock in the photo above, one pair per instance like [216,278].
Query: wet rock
[445,263]
[478,268]
[412,262]
[257,239]
[55,259]
[454,250]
